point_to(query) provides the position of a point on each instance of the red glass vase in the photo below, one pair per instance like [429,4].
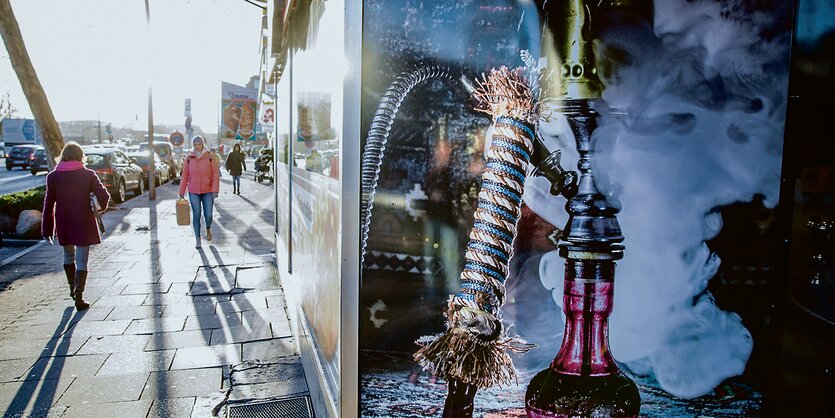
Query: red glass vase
[584,380]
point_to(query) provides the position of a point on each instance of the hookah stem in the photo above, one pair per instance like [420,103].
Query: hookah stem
[460,400]
[375,146]
[491,239]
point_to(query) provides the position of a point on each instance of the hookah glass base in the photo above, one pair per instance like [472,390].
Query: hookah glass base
[553,394]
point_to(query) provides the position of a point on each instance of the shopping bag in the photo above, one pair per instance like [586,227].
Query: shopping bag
[182,212]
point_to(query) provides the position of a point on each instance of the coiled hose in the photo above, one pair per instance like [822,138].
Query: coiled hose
[473,352]
[375,145]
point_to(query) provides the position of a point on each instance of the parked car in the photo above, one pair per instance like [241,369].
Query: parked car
[161,172]
[166,151]
[2,150]
[116,171]
[21,156]
[38,161]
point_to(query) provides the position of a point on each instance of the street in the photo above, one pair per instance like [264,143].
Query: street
[18,179]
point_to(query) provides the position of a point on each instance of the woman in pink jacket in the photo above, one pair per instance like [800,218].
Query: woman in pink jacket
[201,176]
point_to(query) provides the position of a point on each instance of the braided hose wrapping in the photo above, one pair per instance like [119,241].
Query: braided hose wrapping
[474,349]
[499,202]
[375,145]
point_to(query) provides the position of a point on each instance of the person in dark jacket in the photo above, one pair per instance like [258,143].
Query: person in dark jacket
[236,165]
[68,214]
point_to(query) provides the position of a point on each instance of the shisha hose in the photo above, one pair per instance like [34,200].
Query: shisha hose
[375,145]
[473,352]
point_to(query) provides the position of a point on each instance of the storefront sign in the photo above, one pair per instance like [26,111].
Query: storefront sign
[267,116]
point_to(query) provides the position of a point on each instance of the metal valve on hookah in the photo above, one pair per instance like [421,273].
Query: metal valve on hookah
[547,164]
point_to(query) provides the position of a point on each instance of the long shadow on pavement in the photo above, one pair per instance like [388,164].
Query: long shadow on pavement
[46,377]
[245,240]
[161,382]
[227,309]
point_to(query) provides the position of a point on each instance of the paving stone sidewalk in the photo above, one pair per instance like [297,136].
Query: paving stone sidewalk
[172,332]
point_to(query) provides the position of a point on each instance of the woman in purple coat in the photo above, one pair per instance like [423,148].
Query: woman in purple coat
[68,215]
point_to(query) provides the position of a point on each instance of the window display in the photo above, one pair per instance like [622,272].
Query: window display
[668,114]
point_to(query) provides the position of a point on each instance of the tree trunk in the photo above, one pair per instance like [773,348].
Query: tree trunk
[35,95]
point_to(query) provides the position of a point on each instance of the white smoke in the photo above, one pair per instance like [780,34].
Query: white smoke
[705,99]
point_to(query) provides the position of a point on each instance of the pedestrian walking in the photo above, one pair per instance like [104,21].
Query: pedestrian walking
[201,175]
[68,214]
[236,165]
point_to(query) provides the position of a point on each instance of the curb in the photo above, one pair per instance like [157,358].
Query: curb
[19,242]
[21,253]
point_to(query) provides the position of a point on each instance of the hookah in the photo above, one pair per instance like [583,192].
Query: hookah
[583,380]
[473,352]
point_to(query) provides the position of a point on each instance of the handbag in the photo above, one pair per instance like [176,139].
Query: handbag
[183,217]
[96,207]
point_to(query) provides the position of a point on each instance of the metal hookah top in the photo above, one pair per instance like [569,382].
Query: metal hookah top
[571,27]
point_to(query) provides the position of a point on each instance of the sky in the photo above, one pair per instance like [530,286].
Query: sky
[97,58]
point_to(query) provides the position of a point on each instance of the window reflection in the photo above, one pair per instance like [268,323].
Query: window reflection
[317,144]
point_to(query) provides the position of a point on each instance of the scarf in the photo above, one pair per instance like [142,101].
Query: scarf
[69,166]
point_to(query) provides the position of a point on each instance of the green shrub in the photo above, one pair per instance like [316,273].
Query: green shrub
[13,203]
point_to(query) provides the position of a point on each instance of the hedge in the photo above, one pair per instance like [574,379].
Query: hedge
[13,203]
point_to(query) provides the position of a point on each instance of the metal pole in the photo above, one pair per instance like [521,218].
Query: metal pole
[152,189]
[152,178]
[98,120]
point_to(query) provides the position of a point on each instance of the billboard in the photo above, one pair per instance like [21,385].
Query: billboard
[238,112]
[21,131]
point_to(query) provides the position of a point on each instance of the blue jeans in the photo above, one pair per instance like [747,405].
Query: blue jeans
[236,182]
[77,255]
[207,200]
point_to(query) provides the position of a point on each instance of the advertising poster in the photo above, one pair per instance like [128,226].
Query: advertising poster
[238,106]
[687,152]
[267,116]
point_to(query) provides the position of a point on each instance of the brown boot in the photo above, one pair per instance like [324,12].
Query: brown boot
[69,270]
[80,283]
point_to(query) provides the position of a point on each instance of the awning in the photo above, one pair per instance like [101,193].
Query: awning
[294,27]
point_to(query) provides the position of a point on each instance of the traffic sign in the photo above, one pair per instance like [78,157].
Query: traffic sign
[176,139]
